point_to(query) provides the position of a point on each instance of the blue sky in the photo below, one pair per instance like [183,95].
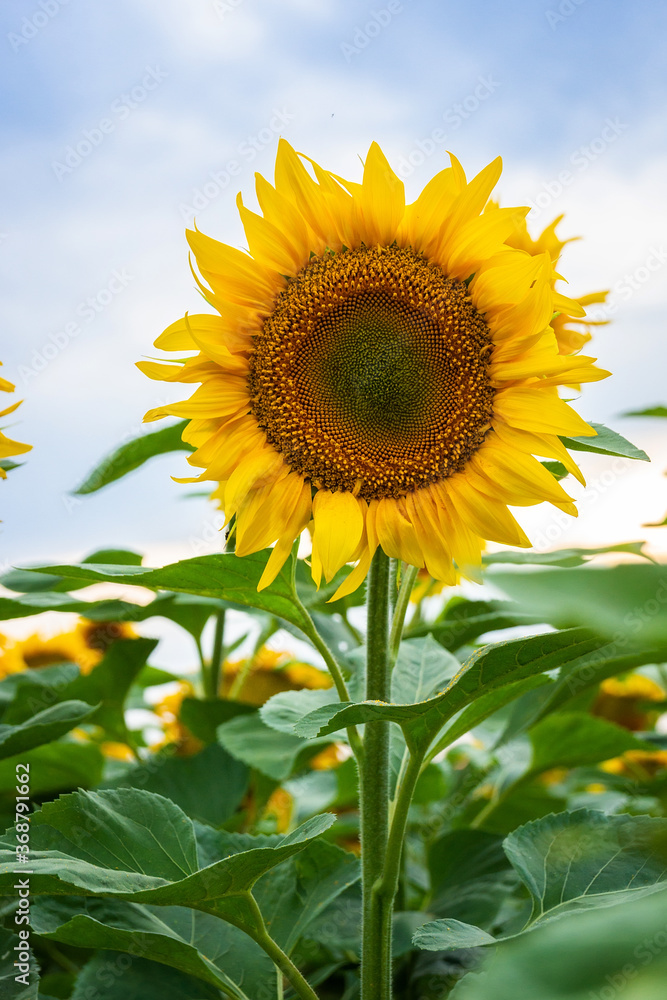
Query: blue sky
[159,97]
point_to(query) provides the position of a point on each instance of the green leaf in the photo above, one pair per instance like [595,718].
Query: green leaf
[607,442]
[223,576]
[628,603]
[140,979]
[464,621]
[561,557]
[470,876]
[489,668]
[442,935]
[110,682]
[56,767]
[202,716]
[485,706]
[422,667]
[282,711]
[615,953]
[120,557]
[132,455]
[8,465]
[651,411]
[572,739]
[196,944]
[44,727]
[584,859]
[207,786]
[276,754]
[292,897]
[557,469]
[140,847]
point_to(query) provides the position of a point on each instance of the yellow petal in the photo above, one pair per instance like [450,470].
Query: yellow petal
[295,524]
[382,199]
[369,544]
[540,410]
[396,533]
[424,518]
[339,523]
[485,515]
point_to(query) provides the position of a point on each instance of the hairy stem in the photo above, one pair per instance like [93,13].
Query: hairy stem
[407,583]
[283,962]
[374,792]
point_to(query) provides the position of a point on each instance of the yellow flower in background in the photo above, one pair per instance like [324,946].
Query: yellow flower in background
[9,448]
[269,673]
[641,765]
[571,331]
[176,733]
[85,645]
[387,370]
[623,700]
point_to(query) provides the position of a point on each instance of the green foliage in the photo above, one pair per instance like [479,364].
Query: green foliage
[132,455]
[627,602]
[607,442]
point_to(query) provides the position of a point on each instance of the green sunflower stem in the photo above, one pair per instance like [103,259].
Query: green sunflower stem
[376,954]
[212,675]
[407,583]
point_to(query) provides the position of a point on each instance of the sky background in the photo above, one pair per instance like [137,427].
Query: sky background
[160,97]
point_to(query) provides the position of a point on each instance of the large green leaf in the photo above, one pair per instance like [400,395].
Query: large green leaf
[207,786]
[455,933]
[615,953]
[575,861]
[133,454]
[583,859]
[490,668]
[44,727]
[283,710]
[224,576]
[464,621]
[628,603]
[607,442]
[141,847]
[273,752]
[195,944]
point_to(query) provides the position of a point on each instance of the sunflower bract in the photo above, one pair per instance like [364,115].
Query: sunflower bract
[388,371]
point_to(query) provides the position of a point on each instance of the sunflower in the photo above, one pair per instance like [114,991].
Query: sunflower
[387,370]
[85,645]
[626,701]
[9,448]
[270,672]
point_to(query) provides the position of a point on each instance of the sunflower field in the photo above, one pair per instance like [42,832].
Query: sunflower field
[386,739]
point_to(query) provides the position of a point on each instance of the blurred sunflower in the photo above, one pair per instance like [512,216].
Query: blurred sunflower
[85,645]
[270,672]
[176,733]
[387,370]
[9,448]
[642,765]
[571,331]
[626,701]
